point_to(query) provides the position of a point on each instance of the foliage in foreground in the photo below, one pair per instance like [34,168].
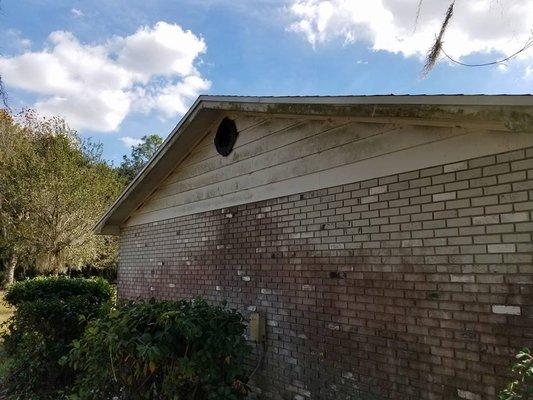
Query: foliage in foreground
[50,313]
[520,388]
[162,350]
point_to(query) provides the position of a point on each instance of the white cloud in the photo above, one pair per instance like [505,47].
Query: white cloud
[14,41]
[95,86]
[165,49]
[478,26]
[502,68]
[129,141]
[77,12]
[174,99]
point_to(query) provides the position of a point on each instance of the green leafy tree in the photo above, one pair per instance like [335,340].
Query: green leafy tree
[521,387]
[140,154]
[15,194]
[54,187]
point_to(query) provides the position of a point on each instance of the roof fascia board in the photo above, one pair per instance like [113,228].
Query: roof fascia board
[457,100]
[507,117]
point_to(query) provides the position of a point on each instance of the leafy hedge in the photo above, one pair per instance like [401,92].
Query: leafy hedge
[162,350]
[50,313]
[58,287]
[520,388]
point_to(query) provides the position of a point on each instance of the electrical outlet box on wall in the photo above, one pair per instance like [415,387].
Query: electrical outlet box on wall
[257,327]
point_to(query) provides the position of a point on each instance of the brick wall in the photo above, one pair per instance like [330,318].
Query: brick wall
[411,286]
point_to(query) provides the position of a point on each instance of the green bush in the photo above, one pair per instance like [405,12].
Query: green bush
[162,350]
[520,388]
[49,314]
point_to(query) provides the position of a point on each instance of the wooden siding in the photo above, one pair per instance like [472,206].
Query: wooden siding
[281,156]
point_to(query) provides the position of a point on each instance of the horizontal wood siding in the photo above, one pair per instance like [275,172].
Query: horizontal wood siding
[281,156]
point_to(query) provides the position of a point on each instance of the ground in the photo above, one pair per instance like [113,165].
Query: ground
[5,312]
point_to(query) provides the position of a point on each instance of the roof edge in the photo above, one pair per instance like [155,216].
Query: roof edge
[312,104]
[406,99]
[99,227]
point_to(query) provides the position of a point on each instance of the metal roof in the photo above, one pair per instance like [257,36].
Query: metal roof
[433,99]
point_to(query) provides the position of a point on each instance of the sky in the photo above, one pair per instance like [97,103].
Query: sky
[117,70]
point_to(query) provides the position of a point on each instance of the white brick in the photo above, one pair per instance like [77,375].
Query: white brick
[412,243]
[444,196]
[503,309]
[515,217]
[369,199]
[486,219]
[308,288]
[502,248]
[462,278]
[465,394]
[347,375]
[334,327]
[455,167]
[246,278]
[378,190]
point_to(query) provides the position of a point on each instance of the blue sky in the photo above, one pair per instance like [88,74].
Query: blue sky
[117,70]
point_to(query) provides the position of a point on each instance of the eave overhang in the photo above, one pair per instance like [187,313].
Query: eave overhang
[508,113]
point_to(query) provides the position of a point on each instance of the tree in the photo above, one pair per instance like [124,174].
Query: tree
[15,150]
[140,154]
[437,49]
[54,187]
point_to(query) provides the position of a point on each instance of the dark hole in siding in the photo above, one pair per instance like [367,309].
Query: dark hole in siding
[226,136]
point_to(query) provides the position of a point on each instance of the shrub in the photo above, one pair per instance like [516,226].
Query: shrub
[521,388]
[50,313]
[162,350]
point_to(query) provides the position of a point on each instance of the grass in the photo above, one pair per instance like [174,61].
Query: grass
[5,311]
